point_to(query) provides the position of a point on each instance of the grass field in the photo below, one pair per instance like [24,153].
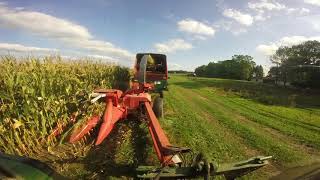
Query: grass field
[220,118]
[228,120]
[231,120]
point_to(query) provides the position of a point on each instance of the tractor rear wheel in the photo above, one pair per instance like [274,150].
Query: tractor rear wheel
[158,107]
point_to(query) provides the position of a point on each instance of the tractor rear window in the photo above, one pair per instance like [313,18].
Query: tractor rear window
[156,64]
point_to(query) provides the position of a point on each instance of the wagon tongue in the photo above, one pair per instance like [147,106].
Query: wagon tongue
[175,150]
[201,167]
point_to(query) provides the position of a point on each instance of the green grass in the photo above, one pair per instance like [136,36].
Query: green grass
[228,120]
[220,118]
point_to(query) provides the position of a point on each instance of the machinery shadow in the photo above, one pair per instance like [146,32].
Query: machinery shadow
[101,161]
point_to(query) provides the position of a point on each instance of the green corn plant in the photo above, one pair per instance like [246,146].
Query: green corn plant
[37,94]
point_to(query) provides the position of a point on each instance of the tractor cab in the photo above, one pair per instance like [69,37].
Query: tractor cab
[153,68]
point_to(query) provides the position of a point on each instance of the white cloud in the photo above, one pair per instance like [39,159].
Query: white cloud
[260,17]
[313,2]
[199,37]
[42,24]
[173,45]
[316,25]
[21,48]
[174,66]
[58,29]
[294,40]
[263,5]
[266,8]
[238,31]
[231,26]
[271,48]
[196,27]
[40,52]
[267,50]
[242,18]
[304,11]
[300,11]
[99,56]
[313,21]
[102,57]
[291,10]
[264,15]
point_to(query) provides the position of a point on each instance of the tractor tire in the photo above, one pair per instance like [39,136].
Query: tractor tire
[158,107]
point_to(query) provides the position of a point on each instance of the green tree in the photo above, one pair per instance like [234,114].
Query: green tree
[239,67]
[274,74]
[290,59]
[200,71]
[258,70]
[307,53]
[245,67]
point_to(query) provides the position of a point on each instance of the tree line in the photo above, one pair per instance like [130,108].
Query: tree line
[298,65]
[179,72]
[241,67]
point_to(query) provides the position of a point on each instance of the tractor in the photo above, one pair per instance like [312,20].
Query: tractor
[156,73]
[151,77]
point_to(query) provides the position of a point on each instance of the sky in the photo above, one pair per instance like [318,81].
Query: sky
[190,32]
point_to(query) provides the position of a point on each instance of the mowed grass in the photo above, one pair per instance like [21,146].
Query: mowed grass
[217,117]
[227,120]
[222,119]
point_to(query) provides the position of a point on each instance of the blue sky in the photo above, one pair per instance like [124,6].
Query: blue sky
[190,32]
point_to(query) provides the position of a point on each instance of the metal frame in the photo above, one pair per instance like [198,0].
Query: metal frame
[119,105]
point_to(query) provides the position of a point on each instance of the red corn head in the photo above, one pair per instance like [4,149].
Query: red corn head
[111,116]
[78,134]
[61,126]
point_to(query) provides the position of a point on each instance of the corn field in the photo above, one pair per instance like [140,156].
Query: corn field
[37,95]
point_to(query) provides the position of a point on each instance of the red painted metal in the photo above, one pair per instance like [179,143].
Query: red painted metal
[117,105]
[152,76]
[111,116]
[106,126]
[132,101]
[60,126]
[80,133]
[160,140]
[114,94]
[137,88]
[156,76]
